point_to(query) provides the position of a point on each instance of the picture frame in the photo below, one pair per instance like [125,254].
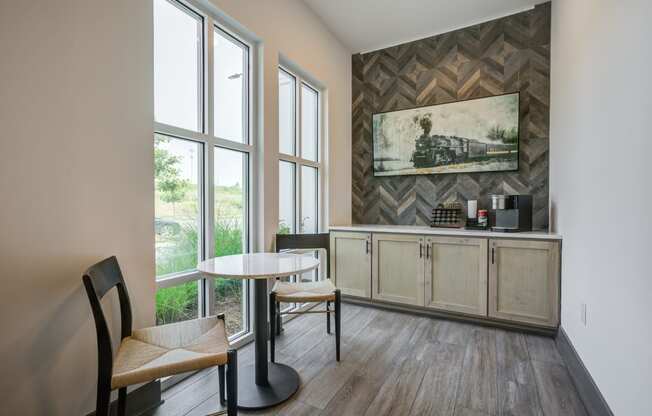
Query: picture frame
[467,136]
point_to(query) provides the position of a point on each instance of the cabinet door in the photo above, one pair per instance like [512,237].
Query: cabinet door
[456,274]
[397,268]
[351,263]
[524,281]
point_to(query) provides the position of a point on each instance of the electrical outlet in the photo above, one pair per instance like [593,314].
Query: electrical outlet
[583,314]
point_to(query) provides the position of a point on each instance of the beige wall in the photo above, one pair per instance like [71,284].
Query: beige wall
[76,167]
[291,29]
[601,192]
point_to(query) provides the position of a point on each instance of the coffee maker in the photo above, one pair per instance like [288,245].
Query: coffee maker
[511,213]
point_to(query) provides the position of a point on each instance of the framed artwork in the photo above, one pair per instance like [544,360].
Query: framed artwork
[477,135]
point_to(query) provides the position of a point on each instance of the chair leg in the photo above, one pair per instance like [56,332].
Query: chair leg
[232,383]
[103,402]
[272,326]
[122,402]
[338,322]
[279,319]
[328,316]
[220,370]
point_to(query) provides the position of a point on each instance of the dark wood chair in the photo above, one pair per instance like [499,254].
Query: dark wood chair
[300,292]
[151,353]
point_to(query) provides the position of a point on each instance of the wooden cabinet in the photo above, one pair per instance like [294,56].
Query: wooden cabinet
[504,278]
[351,263]
[524,281]
[398,268]
[456,274]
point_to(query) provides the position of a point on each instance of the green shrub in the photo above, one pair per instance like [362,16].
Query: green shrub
[183,252]
[176,303]
[283,228]
[180,302]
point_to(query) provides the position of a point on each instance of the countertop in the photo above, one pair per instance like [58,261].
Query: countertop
[449,232]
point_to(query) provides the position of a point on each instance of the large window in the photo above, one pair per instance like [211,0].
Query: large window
[203,168]
[299,155]
[300,164]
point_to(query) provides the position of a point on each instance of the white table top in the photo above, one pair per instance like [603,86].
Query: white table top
[258,265]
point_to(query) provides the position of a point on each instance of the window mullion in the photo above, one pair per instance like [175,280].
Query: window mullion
[246,94]
[178,132]
[228,144]
[209,223]
[177,279]
[209,204]
[298,195]
[210,83]
[298,138]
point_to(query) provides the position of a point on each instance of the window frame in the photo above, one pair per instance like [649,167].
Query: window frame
[213,23]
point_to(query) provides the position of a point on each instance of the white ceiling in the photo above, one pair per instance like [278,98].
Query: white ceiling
[367,25]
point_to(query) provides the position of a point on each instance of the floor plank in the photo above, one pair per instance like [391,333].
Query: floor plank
[478,382]
[557,392]
[396,395]
[319,391]
[543,349]
[353,398]
[400,364]
[380,356]
[439,386]
[517,392]
[452,332]
[185,396]
[464,411]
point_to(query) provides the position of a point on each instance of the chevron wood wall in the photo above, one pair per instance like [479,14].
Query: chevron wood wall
[504,55]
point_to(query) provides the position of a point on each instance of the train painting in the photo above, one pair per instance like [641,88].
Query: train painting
[478,135]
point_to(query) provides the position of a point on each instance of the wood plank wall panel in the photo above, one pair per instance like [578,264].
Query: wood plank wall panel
[500,56]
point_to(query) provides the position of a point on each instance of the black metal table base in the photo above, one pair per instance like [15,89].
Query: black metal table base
[283,383]
[264,384]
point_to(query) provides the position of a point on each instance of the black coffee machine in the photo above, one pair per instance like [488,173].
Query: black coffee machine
[511,213]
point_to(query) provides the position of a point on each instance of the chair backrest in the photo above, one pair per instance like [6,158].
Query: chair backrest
[306,242]
[98,280]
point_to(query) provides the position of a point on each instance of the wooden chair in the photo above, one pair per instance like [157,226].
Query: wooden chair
[320,291]
[151,353]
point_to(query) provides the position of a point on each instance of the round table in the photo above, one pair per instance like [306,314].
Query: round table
[262,384]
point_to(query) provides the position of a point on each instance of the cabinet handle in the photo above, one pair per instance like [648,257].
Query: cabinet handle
[367,247]
[420,250]
[493,255]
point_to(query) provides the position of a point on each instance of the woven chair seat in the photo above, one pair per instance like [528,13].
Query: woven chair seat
[320,291]
[161,351]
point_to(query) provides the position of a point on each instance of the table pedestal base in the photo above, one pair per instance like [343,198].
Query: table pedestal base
[283,383]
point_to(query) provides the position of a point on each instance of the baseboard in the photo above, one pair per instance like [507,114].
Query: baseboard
[591,396]
[431,313]
[139,401]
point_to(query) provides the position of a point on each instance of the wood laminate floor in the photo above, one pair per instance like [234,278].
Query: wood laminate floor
[400,364]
